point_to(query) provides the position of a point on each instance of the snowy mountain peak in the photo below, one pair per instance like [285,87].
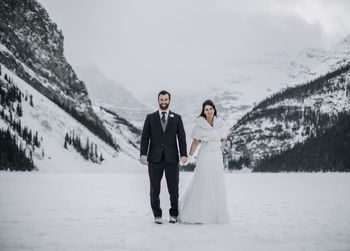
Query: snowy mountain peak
[112,95]
[313,62]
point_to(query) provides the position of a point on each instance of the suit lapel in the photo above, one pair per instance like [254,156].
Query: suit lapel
[157,117]
[170,120]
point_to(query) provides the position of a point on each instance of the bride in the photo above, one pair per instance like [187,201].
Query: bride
[205,198]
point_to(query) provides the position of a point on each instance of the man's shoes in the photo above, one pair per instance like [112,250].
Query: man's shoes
[158,220]
[173,219]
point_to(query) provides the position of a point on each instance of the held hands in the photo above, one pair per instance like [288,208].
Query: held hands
[188,159]
[223,141]
[143,160]
[183,160]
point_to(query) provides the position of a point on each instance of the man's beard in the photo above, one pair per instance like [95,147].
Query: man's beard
[163,106]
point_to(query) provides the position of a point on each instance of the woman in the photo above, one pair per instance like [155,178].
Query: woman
[205,198]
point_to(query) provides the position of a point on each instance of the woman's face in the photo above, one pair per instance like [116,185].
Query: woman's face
[209,111]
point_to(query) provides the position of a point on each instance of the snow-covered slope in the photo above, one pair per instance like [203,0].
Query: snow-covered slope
[31,46]
[123,132]
[52,124]
[112,95]
[312,62]
[287,117]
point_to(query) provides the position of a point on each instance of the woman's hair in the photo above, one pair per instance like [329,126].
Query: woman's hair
[207,102]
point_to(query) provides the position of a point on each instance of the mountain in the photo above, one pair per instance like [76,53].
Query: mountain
[313,62]
[112,95]
[288,117]
[32,47]
[247,83]
[31,53]
[49,136]
[316,93]
[242,86]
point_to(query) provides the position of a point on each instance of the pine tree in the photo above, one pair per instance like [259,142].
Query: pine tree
[87,148]
[19,110]
[31,100]
[36,139]
[91,154]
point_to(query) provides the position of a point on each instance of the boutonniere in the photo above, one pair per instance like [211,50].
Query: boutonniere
[171,115]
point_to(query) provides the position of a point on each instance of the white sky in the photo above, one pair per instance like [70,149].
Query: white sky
[159,44]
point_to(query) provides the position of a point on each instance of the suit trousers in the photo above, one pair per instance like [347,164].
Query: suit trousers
[155,172]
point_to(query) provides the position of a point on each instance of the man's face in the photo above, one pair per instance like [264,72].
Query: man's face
[164,101]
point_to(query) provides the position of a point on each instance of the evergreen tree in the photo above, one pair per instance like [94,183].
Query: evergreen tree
[19,110]
[13,156]
[31,100]
[36,140]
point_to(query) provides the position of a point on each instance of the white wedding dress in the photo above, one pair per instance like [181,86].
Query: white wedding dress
[205,199]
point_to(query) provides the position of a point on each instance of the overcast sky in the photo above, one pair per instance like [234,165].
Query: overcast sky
[150,45]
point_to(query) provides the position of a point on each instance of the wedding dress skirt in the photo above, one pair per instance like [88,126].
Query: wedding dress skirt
[205,198]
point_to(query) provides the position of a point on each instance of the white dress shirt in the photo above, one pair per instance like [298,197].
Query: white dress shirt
[166,114]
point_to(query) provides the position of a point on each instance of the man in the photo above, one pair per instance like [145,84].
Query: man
[161,132]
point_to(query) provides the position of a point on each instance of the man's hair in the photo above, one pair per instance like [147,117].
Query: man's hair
[164,92]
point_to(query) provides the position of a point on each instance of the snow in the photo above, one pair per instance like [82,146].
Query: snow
[313,62]
[112,95]
[111,211]
[79,105]
[52,124]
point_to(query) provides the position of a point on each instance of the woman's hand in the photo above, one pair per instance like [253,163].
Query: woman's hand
[223,141]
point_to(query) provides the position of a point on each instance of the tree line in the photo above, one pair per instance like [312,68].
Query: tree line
[15,156]
[327,150]
[88,150]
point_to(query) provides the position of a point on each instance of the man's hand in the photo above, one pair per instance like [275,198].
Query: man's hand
[143,160]
[183,160]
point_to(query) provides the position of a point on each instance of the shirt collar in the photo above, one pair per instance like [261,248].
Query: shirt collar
[167,112]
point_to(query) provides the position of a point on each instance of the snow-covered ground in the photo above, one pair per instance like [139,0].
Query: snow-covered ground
[111,211]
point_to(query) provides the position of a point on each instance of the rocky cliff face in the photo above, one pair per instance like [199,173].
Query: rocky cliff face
[32,46]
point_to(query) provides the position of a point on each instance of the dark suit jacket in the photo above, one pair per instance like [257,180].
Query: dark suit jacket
[154,141]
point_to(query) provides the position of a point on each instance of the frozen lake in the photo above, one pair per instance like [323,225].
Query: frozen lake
[111,211]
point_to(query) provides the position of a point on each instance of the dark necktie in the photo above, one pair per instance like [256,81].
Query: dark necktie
[163,117]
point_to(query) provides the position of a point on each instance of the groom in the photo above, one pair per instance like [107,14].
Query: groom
[159,150]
